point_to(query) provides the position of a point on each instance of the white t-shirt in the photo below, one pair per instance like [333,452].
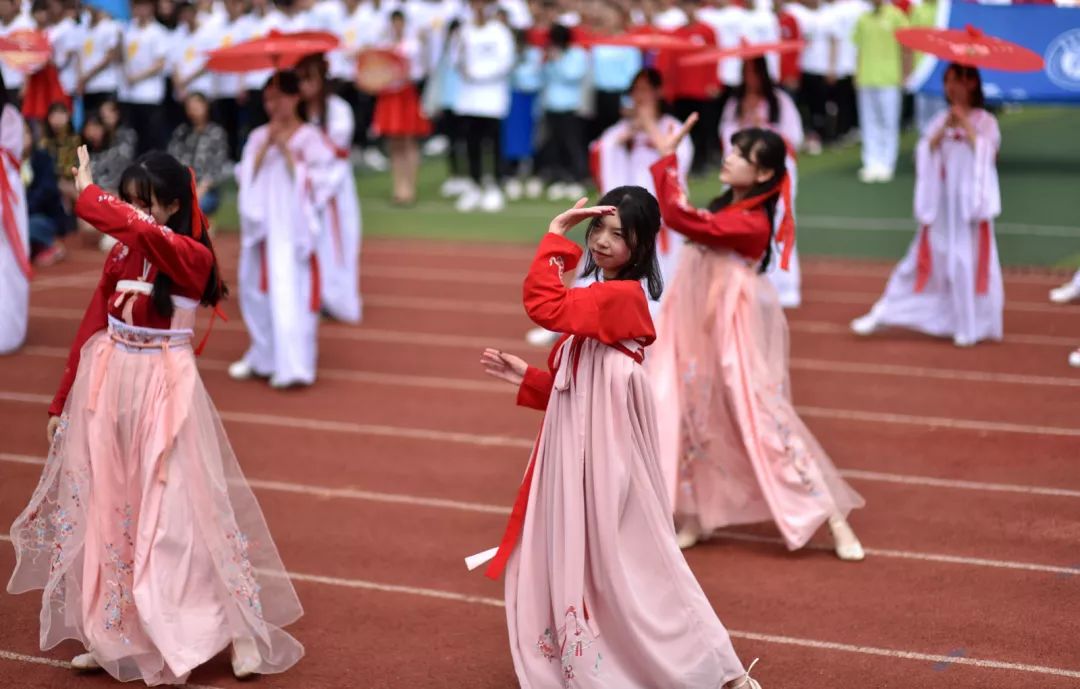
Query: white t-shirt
[730,25]
[814,31]
[762,26]
[229,33]
[97,42]
[66,38]
[671,18]
[841,17]
[144,46]
[486,58]
[188,56]
[13,78]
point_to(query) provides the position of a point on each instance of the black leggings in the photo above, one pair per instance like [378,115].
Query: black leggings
[477,131]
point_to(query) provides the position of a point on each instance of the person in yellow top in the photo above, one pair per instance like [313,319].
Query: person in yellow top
[926,105]
[880,71]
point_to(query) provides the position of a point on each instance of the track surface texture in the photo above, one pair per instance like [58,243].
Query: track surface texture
[404,458]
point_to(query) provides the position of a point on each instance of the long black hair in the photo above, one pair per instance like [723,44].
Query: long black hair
[760,68]
[765,149]
[639,214]
[965,72]
[316,63]
[288,83]
[157,175]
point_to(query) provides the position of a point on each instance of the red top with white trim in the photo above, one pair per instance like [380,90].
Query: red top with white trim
[145,248]
[742,229]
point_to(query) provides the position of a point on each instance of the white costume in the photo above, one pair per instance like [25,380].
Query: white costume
[14,236]
[278,275]
[339,240]
[949,283]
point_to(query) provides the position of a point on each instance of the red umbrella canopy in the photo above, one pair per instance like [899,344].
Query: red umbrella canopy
[274,51]
[970,46]
[746,51]
[25,50]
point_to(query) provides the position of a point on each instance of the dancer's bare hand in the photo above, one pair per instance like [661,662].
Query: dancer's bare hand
[504,366]
[83,175]
[668,142]
[50,430]
[568,219]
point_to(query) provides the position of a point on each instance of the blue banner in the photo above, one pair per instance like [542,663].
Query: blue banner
[1053,32]
[117,9]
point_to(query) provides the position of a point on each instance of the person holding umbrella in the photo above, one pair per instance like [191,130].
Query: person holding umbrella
[949,282]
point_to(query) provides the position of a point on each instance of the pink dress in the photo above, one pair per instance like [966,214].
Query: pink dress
[598,594]
[148,543]
[733,448]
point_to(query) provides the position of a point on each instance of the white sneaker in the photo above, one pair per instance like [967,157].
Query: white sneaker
[492,201]
[865,325]
[555,191]
[470,199]
[869,175]
[541,337]
[453,186]
[963,342]
[514,189]
[884,176]
[107,242]
[1074,359]
[573,192]
[241,370]
[813,147]
[375,160]
[1066,293]
[847,544]
[245,658]
[84,662]
[534,188]
[436,145]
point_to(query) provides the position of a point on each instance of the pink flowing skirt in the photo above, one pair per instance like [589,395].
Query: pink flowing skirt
[598,595]
[733,448]
[143,533]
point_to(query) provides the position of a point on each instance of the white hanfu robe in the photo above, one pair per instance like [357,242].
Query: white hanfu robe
[339,240]
[788,283]
[14,235]
[616,164]
[278,274]
[949,283]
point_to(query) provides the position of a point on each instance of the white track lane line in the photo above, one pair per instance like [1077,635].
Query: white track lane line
[509,441]
[816,644]
[64,665]
[458,505]
[799,364]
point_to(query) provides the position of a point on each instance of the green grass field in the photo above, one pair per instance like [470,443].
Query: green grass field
[1039,167]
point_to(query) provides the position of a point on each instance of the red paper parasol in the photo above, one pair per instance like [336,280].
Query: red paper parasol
[970,46]
[743,52]
[25,50]
[379,71]
[274,51]
[644,41]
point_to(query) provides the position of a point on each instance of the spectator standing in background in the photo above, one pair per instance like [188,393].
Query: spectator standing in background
[145,45]
[882,69]
[565,155]
[202,145]
[485,61]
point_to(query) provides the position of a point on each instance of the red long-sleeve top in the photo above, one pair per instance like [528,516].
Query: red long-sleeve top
[694,82]
[742,229]
[145,248]
[611,311]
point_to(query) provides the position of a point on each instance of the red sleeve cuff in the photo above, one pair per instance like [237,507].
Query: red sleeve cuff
[535,389]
